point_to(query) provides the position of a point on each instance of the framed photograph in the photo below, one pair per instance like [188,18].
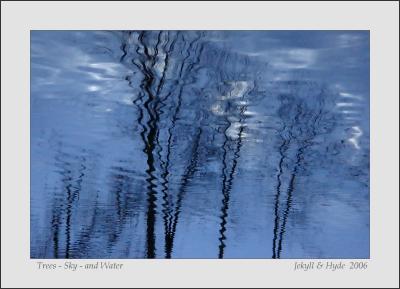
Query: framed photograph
[205,144]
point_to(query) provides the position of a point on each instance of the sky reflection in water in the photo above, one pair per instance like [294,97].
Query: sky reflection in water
[199,144]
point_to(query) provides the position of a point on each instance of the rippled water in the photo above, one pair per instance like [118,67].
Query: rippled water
[199,144]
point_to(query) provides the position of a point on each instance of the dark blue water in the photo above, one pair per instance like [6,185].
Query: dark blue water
[200,144]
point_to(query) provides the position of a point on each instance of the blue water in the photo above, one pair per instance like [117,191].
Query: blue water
[200,144]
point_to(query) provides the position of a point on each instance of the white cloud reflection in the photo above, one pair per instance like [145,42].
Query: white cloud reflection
[356,134]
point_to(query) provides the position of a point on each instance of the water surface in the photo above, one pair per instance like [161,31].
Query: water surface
[199,144]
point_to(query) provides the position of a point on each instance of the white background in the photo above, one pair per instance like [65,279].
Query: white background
[381,18]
